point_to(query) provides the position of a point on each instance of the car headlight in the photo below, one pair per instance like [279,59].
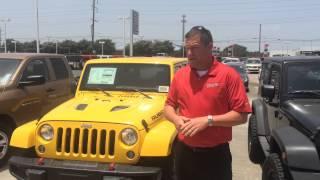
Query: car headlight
[129,136]
[46,132]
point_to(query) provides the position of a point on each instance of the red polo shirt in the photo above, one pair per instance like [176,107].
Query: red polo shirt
[218,92]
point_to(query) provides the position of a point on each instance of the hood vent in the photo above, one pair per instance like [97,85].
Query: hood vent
[81,107]
[118,108]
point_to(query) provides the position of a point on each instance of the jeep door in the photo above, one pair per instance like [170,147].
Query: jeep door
[30,98]
[273,105]
[59,89]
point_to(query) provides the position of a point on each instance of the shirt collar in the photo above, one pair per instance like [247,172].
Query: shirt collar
[211,70]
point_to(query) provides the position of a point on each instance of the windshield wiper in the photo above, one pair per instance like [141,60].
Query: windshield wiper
[104,91]
[134,89]
[306,92]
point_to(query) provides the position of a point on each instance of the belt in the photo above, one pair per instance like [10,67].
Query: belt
[220,147]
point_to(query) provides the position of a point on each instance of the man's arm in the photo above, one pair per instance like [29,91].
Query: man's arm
[198,124]
[171,115]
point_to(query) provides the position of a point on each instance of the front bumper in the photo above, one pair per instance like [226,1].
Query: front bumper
[50,169]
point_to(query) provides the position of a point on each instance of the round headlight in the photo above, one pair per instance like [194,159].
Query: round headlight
[46,132]
[129,136]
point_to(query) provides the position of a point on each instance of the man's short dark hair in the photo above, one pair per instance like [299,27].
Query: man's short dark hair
[205,35]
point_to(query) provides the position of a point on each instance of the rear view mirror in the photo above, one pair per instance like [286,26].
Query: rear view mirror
[268,91]
[32,81]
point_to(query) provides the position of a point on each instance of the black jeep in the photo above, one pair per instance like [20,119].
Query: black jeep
[284,128]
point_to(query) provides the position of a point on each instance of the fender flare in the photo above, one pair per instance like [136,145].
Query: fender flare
[159,140]
[260,111]
[24,136]
[297,151]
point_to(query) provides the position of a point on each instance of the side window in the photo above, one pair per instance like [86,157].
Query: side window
[275,81]
[35,67]
[59,68]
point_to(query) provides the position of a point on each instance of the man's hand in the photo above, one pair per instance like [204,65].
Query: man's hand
[180,121]
[193,126]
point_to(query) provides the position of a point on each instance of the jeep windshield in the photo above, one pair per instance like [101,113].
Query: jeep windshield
[304,79]
[126,77]
[7,69]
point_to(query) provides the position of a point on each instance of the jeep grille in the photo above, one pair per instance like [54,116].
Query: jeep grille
[85,141]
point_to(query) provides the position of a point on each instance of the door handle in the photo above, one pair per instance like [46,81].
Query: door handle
[50,90]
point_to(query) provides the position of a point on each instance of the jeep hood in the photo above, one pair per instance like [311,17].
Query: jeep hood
[305,111]
[129,111]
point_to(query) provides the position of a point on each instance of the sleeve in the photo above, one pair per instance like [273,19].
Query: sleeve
[236,94]
[172,98]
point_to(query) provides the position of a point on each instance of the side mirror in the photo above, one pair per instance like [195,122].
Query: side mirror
[32,81]
[268,91]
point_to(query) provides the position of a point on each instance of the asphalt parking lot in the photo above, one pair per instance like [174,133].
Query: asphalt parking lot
[243,169]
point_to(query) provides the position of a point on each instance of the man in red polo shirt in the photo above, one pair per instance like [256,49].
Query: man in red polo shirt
[205,100]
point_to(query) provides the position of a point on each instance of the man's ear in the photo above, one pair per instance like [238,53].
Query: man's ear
[210,46]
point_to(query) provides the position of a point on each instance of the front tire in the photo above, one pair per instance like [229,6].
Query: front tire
[5,136]
[255,151]
[273,169]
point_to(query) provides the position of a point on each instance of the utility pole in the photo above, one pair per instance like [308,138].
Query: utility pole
[93,21]
[5,21]
[260,40]
[38,38]
[183,29]
[0,38]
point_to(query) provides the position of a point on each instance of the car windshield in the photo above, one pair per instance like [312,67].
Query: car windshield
[7,69]
[127,77]
[253,62]
[303,76]
[239,68]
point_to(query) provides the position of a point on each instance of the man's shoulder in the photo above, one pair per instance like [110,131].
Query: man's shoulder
[182,71]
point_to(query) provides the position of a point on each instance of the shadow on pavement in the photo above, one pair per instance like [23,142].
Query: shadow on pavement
[4,168]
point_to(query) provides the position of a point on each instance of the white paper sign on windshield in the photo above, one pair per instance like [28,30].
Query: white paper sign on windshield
[102,75]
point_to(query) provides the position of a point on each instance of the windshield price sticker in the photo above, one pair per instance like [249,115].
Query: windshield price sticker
[102,75]
[163,89]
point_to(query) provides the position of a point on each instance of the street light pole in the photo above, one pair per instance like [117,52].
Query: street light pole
[15,46]
[5,21]
[124,18]
[38,41]
[56,46]
[102,43]
[183,29]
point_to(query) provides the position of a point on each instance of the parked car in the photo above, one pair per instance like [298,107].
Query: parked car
[253,65]
[284,128]
[30,86]
[113,128]
[229,59]
[241,69]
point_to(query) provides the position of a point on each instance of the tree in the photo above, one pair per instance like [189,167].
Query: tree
[141,48]
[162,47]
[108,46]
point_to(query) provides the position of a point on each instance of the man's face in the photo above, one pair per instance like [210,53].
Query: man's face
[198,54]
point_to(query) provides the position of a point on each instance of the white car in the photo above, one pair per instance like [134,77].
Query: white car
[230,60]
[253,65]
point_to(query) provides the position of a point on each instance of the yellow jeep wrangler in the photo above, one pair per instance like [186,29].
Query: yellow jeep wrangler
[113,128]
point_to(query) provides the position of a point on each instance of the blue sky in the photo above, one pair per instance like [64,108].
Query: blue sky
[291,24]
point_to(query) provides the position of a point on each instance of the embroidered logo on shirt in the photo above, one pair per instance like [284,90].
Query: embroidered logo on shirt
[212,84]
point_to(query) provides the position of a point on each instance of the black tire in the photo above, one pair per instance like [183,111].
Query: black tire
[273,169]
[5,136]
[255,151]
